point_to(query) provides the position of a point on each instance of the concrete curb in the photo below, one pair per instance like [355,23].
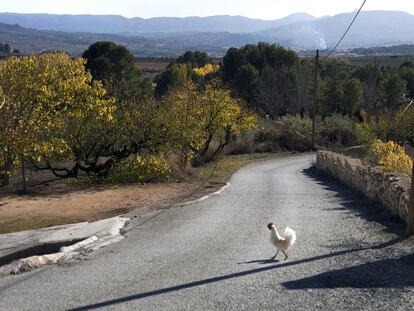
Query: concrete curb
[107,232]
[92,242]
[218,192]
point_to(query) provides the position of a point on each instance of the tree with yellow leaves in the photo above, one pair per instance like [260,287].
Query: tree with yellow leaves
[206,70]
[197,118]
[45,96]
[224,117]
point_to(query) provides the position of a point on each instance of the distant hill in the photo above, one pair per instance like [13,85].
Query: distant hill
[115,24]
[222,40]
[167,37]
[405,49]
[372,28]
[35,41]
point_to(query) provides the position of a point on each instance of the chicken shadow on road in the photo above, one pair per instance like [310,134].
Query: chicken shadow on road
[260,262]
[235,275]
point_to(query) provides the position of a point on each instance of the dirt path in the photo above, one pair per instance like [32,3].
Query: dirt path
[74,204]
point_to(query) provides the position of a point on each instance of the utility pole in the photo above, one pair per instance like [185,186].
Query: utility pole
[315,100]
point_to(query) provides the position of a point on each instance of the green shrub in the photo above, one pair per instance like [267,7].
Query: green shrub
[265,136]
[338,130]
[140,169]
[240,147]
[391,157]
[365,134]
[295,133]
[266,147]
[266,139]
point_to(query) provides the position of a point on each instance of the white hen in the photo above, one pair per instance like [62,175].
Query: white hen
[281,243]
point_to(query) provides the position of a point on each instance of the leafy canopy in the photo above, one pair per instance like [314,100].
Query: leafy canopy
[45,97]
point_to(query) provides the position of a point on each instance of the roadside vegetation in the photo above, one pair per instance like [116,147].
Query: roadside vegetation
[95,117]
[98,120]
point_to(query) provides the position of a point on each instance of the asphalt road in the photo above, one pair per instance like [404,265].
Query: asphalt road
[214,255]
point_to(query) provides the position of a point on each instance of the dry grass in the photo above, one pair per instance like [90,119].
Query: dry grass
[221,170]
[31,223]
[151,66]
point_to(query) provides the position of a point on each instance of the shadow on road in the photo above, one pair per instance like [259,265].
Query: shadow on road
[260,262]
[290,285]
[356,204]
[387,273]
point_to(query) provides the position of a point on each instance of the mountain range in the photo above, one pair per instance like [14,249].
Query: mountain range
[29,40]
[167,36]
[115,24]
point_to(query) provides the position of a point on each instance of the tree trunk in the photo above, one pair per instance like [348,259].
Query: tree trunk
[24,187]
[410,224]
[5,179]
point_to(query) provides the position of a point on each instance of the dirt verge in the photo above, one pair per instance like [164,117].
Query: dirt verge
[62,203]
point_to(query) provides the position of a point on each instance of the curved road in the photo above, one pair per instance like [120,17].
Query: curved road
[214,255]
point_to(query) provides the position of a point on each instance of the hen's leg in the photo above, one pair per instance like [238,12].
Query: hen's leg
[286,256]
[275,254]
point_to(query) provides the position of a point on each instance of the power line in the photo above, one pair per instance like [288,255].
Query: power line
[343,36]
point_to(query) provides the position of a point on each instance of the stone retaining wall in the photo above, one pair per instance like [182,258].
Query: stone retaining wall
[390,190]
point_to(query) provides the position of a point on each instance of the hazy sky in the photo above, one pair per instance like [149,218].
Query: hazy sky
[265,9]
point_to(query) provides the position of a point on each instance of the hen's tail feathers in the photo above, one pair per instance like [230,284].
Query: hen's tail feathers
[290,236]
